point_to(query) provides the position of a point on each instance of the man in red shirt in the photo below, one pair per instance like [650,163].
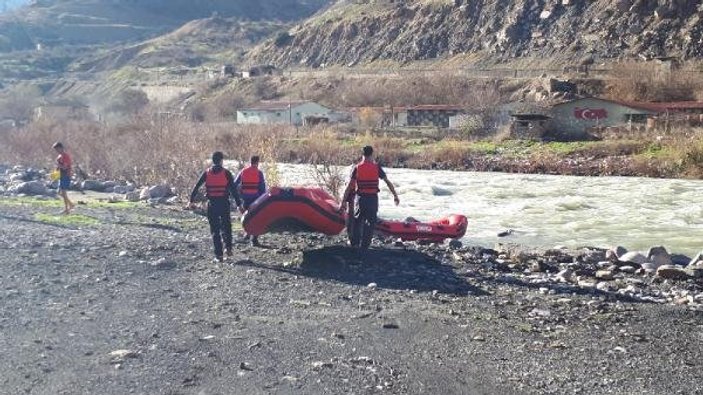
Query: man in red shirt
[364,182]
[64,166]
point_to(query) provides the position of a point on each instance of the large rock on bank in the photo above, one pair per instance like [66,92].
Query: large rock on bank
[671,272]
[155,192]
[633,257]
[35,188]
[93,185]
[659,256]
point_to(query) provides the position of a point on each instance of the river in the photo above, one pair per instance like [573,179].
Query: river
[548,211]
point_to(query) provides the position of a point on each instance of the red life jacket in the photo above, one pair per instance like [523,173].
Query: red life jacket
[250,181]
[367,176]
[216,183]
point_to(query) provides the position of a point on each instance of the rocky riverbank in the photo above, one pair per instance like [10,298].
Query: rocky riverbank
[28,181]
[123,298]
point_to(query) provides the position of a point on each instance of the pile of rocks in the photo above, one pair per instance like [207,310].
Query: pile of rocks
[121,191]
[19,180]
[158,194]
[651,276]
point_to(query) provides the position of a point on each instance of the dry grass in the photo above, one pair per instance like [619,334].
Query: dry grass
[142,150]
[393,91]
[637,81]
[149,152]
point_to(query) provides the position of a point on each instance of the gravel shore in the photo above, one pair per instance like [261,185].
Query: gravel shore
[124,299]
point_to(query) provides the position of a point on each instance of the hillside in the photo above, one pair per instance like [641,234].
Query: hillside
[198,42]
[84,22]
[359,32]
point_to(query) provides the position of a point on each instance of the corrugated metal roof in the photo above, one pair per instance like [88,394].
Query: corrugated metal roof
[422,107]
[435,107]
[674,106]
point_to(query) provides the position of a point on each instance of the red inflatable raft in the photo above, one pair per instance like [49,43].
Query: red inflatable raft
[294,210]
[451,227]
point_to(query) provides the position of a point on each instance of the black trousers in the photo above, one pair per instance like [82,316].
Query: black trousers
[365,218]
[218,215]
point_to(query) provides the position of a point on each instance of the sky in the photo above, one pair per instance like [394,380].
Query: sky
[10,4]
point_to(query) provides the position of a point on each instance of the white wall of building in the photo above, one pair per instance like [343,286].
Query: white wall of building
[575,118]
[295,116]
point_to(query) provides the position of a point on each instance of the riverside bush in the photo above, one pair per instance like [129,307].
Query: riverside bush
[143,150]
[637,81]
[150,151]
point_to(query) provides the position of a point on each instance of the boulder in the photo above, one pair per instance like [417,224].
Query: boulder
[34,188]
[633,257]
[671,272]
[109,184]
[615,253]
[659,256]
[680,259]
[649,267]
[93,185]
[159,191]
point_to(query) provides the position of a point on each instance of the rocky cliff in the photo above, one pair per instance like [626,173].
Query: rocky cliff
[357,32]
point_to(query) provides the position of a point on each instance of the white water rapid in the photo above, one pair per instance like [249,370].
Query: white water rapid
[546,211]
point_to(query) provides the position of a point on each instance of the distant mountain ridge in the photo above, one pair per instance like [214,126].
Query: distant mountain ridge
[90,22]
[362,31]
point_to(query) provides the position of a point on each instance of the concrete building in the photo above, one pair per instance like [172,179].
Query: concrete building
[437,115]
[431,115]
[286,112]
[63,109]
[529,126]
[572,120]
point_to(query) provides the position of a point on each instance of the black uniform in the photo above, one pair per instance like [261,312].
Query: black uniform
[218,210]
[366,210]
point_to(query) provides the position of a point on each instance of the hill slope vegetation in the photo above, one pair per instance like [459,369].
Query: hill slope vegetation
[356,32]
